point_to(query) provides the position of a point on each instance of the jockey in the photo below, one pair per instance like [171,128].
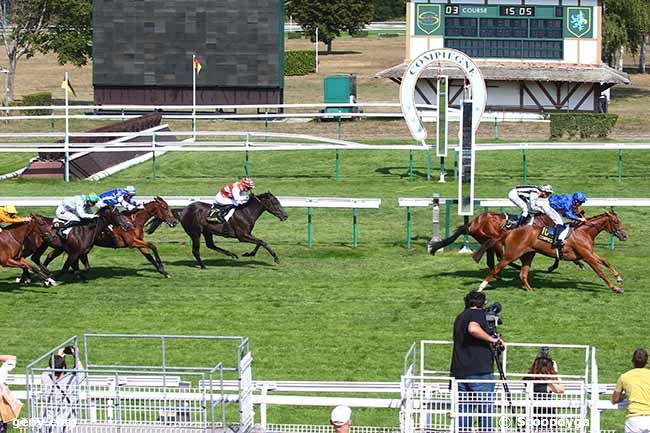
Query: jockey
[234,194]
[9,215]
[119,197]
[569,207]
[526,198]
[73,210]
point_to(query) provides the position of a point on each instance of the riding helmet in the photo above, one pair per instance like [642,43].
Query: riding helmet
[10,208]
[130,189]
[580,197]
[546,188]
[92,198]
[248,182]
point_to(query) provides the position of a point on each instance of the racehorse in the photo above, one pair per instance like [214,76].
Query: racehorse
[194,217]
[523,243]
[12,239]
[81,239]
[133,238]
[35,245]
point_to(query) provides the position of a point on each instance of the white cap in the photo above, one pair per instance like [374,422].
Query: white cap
[340,415]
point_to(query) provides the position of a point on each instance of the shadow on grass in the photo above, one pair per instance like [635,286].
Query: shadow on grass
[403,173]
[337,53]
[625,92]
[241,263]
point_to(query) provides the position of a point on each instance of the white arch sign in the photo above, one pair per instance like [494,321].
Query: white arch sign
[419,65]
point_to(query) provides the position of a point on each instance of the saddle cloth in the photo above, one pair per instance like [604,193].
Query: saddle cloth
[212,216]
[547,233]
[56,223]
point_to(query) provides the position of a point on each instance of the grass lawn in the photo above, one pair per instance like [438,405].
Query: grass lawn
[334,312]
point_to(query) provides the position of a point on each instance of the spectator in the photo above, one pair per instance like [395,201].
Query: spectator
[60,392]
[634,386]
[340,419]
[472,359]
[542,370]
[8,364]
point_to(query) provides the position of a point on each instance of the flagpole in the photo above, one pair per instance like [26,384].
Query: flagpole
[194,96]
[66,175]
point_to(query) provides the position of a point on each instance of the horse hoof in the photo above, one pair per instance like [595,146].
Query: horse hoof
[50,283]
[619,280]
[276,260]
[235,256]
[167,275]
[617,289]
[19,280]
[247,255]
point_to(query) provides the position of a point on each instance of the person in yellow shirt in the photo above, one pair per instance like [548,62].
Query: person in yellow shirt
[9,215]
[634,385]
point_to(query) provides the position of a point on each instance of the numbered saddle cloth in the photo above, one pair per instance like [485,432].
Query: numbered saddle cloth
[213,215]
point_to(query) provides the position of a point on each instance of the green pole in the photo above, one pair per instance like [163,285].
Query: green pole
[410,165]
[336,169]
[523,154]
[310,239]
[620,164]
[153,156]
[266,126]
[355,230]
[447,218]
[496,128]
[248,136]
[408,227]
[612,239]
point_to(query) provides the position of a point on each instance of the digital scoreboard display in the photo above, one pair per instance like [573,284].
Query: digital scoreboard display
[505,31]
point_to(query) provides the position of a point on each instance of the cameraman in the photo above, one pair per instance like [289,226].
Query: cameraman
[472,359]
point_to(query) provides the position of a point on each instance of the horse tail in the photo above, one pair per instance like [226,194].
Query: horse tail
[432,247]
[488,245]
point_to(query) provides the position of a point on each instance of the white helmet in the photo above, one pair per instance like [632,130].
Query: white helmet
[130,189]
[546,188]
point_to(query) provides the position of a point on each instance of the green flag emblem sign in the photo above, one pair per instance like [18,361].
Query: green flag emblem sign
[428,18]
[579,22]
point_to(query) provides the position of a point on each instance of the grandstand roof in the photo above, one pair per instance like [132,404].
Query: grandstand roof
[511,71]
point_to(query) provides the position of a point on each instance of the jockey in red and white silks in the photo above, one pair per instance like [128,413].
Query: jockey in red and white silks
[235,194]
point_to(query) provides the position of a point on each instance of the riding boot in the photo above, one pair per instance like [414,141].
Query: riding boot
[64,227]
[557,243]
[521,220]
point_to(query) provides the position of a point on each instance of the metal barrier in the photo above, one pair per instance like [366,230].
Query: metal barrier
[60,398]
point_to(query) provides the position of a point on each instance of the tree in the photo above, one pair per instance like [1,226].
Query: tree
[614,37]
[389,9]
[635,15]
[60,26]
[330,17]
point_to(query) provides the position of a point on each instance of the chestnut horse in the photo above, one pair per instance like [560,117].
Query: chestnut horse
[12,239]
[132,238]
[523,243]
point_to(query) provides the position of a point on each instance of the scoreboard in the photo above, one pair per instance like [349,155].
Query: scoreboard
[504,31]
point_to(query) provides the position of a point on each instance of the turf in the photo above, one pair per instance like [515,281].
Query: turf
[334,312]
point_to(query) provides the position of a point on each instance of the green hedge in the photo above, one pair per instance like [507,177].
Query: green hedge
[37,99]
[295,35]
[360,34]
[299,62]
[584,125]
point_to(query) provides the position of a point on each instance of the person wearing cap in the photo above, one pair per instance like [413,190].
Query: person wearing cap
[119,197]
[74,210]
[634,385]
[341,419]
[231,195]
[527,198]
[567,206]
[9,215]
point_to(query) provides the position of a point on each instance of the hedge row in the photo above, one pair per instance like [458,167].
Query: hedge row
[584,125]
[299,62]
[37,99]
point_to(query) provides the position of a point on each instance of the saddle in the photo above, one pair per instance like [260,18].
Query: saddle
[220,214]
[511,221]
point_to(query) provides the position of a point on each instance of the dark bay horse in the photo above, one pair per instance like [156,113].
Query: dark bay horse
[523,243]
[12,239]
[193,218]
[81,239]
[132,238]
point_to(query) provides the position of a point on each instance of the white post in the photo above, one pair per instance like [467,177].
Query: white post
[290,23]
[66,140]
[194,97]
[316,49]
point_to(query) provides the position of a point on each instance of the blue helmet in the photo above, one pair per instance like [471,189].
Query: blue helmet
[580,196]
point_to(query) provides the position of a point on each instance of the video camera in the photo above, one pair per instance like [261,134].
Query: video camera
[493,319]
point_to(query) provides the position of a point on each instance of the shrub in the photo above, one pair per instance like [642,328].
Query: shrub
[360,34]
[37,99]
[299,62]
[294,35]
[584,125]
[389,35]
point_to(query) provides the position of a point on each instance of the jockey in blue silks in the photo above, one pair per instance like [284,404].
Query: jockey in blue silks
[122,197]
[568,206]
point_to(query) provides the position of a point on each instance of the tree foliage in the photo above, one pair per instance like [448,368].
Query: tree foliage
[631,17]
[60,26]
[615,36]
[330,17]
[386,10]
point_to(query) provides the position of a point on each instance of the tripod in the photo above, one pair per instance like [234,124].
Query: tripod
[496,354]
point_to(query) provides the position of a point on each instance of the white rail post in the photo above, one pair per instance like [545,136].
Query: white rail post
[66,162]
[435,233]
[594,421]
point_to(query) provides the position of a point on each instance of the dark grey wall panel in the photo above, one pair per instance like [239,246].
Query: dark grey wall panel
[150,42]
